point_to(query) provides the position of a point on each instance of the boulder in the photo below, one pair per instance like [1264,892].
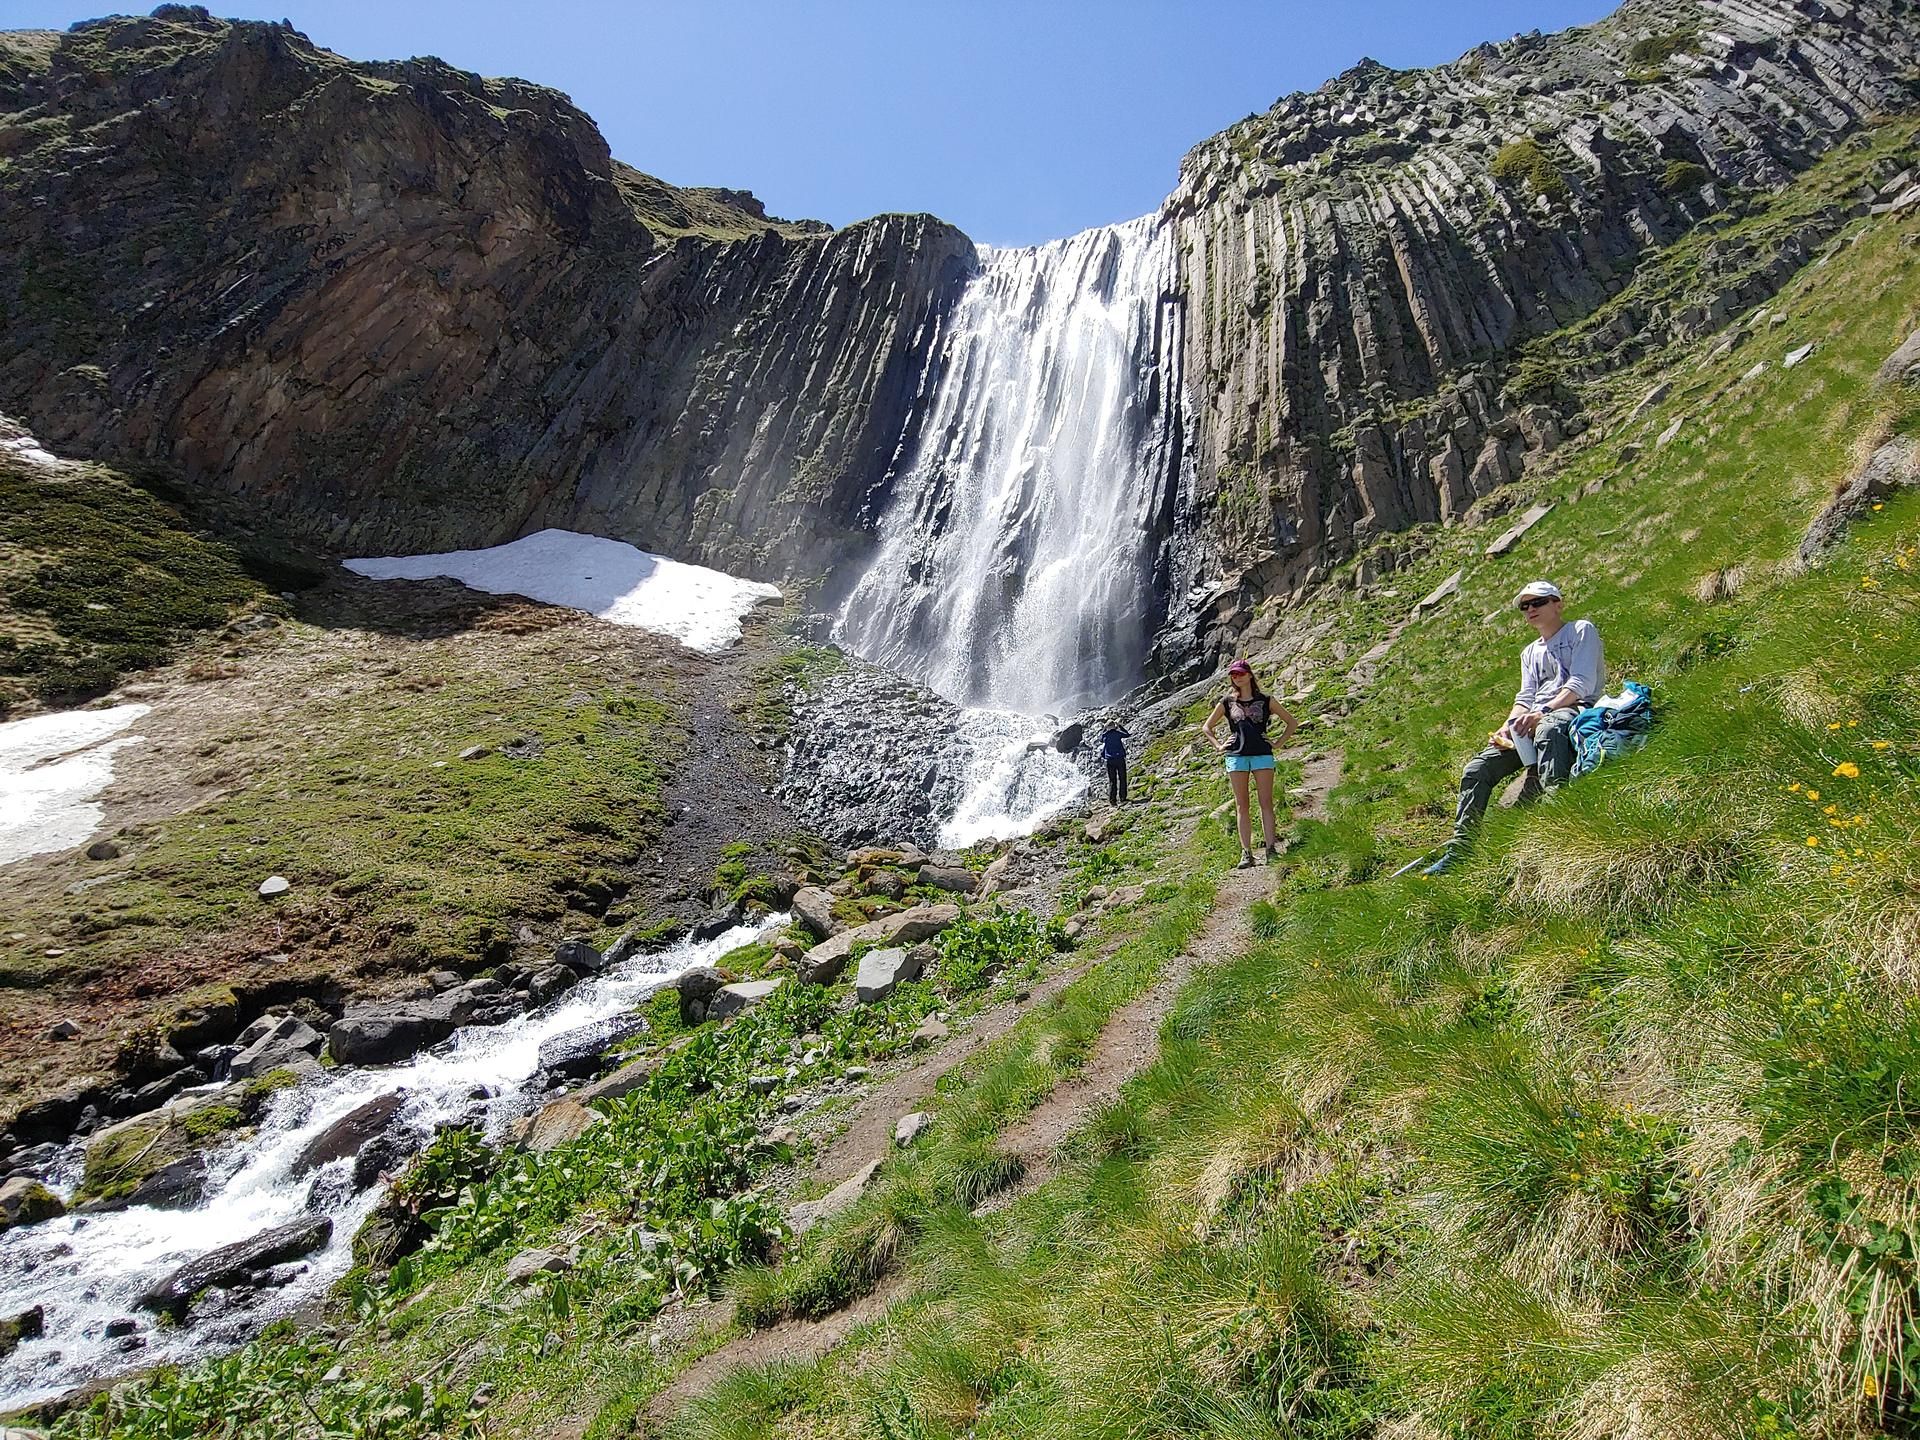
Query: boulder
[286,1043]
[958,879]
[1892,467]
[881,971]
[1004,873]
[25,1201]
[121,1157]
[554,1124]
[27,1325]
[910,1127]
[178,1185]
[624,1081]
[908,858]
[103,850]
[717,922]
[274,885]
[347,1135]
[232,1263]
[550,982]
[809,1213]
[888,884]
[63,1030]
[194,1027]
[579,956]
[813,908]
[824,963]
[730,1000]
[485,1001]
[383,1037]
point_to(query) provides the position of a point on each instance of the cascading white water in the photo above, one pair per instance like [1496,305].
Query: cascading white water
[1014,571]
[1015,561]
[86,1270]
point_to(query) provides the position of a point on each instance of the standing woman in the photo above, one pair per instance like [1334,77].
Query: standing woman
[1248,710]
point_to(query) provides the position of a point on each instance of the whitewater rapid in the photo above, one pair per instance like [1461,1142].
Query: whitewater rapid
[86,1270]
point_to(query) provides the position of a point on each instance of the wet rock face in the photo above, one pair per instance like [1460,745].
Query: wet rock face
[1361,263]
[397,307]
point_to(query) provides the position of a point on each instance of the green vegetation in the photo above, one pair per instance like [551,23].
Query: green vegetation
[1656,50]
[100,578]
[766,704]
[1526,161]
[1606,1135]
[1682,177]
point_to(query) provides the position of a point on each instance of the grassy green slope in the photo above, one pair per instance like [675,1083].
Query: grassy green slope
[1611,1134]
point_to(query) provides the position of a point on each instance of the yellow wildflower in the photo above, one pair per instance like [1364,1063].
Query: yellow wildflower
[1813,840]
[1794,786]
[1813,794]
[1830,810]
[1883,744]
[1834,726]
[1847,770]
[1870,1387]
[1879,504]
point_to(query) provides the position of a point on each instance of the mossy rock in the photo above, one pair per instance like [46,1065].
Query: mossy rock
[121,1156]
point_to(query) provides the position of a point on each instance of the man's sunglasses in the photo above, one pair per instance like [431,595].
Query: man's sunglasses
[1536,603]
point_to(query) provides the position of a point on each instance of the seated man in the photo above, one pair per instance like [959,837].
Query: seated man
[1560,671]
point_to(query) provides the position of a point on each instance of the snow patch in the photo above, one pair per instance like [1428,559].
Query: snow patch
[51,769]
[701,608]
[18,443]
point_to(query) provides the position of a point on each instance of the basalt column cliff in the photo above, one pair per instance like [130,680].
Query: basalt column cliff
[400,307]
[1362,265]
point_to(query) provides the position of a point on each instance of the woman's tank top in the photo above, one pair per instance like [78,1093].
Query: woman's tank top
[1249,719]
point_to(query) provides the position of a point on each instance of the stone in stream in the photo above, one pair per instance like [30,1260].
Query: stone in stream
[178,1185]
[550,982]
[25,1201]
[881,971]
[823,964]
[813,909]
[718,921]
[381,1038]
[284,1042]
[232,1263]
[27,1325]
[347,1135]
[730,1000]
[576,1054]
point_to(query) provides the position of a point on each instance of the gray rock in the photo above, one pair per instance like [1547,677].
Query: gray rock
[958,879]
[25,1201]
[730,1000]
[103,850]
[1002,875]
[1891,468]
[1794,357]
[576,1054]
[717,922]
[696,987]
[124,1325]
[445,980]
[931,1031]
[809,1213]
[63,1030]
[231,1264]
[347,1135]
[476,752]
[824,963]
[530,1265]
[579,955]
[287,1043]
[179,1185]
[762,1084]
[274,885]
[1902,367]
[549,982]
[813,909]
[881,971]
[1535,514]
[27,1325]
[910,1127]
[381,1038]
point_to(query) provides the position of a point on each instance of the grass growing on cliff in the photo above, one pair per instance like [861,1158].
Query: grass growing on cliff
[1607,1135]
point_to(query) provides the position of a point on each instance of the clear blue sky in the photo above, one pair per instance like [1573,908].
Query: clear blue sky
[1018,120]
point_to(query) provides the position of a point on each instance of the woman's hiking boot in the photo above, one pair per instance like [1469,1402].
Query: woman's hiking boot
[1270,857]
[1246,860]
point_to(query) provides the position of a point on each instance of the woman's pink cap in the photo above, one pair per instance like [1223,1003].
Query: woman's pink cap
[1239,667]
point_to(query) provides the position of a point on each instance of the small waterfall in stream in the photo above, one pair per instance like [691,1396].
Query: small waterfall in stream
[1017,558]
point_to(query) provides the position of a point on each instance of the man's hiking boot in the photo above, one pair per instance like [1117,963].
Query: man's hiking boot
[1246,860]
[1448,859]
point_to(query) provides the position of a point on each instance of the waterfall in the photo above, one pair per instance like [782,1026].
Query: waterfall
[1015,566]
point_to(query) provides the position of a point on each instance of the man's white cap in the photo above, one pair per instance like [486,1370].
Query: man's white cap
[1540,589]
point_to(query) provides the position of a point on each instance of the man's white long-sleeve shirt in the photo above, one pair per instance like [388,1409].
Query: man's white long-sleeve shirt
[1571,657]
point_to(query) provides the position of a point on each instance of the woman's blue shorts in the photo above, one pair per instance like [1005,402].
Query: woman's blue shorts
[1249,762]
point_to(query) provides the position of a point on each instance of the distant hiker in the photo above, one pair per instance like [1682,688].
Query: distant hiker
[1248,710]
[1560,671]
[1113,749]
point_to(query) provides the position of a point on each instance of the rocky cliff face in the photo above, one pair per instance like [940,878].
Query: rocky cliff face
[399,307]
[1364,266]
